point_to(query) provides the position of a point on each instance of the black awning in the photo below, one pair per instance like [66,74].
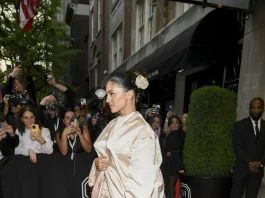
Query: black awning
[212,39]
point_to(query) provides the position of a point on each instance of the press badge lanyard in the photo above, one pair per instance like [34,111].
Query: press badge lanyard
[56,125]
[72,146]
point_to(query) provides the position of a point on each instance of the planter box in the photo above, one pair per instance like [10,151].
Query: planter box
[205,187]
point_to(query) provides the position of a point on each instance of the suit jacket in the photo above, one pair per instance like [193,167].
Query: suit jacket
[247,148]
[134,155]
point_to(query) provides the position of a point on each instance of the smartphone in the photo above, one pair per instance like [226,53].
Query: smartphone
[3,126]
[155,109]
[74,123]
[47,77]
[83,101]
[35,128]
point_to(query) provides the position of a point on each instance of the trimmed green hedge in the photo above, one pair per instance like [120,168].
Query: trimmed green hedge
[208,147]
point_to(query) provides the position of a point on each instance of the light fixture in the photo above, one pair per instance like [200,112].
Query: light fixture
[100,93]
[182,70]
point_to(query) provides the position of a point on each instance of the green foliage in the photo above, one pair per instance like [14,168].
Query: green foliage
[44,48]
[208,146]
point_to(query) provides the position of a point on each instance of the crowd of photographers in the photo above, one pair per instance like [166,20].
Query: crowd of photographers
[28,128]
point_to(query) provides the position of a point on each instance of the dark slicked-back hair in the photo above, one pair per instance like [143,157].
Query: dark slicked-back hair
[124,80]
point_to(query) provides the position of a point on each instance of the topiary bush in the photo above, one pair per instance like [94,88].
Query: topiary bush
[208,147]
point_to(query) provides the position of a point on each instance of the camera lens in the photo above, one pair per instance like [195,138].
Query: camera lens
[53,106]
[13,101]
[33,127]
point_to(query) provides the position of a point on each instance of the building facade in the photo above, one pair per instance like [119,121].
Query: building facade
[176,44]
[98,48]
[98,42]
[252,74]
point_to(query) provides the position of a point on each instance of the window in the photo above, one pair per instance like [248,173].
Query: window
[119,39]
[150,19]
[144,22]
[141,37]
[141,21]
[117,48]
[151,8]
[187,6]
[141,13]
[114,52]
[96,76]
[99,15]
[92,26]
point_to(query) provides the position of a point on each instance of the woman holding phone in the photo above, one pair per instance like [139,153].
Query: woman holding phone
[70,138]
[33,138]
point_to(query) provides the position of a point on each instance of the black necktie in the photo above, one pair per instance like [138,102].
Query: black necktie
[257,129]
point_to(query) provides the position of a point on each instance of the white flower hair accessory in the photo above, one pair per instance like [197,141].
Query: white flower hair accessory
[141,82]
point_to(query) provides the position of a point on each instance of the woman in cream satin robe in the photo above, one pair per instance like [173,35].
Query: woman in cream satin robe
[128,150]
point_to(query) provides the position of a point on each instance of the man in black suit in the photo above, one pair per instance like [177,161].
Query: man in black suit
[249,147]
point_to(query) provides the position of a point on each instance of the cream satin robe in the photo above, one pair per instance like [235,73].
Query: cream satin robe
[134,155]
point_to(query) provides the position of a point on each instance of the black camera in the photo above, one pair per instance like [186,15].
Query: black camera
[13,101]
[53,106]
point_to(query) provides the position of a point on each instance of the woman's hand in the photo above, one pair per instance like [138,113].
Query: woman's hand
[69,130]
[101,163]
[169,114]
[51,81]
[16,71]
[9,130]
[32,156]
[37,136]
[2,134]
[78,132]
[47,99]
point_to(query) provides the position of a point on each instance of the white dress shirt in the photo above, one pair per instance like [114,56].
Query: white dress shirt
[254,125]
[26,143]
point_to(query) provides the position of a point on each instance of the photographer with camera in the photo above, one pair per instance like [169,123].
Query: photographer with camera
[68,92]
[50,112]
[21,95]
[50,118]
[20,86]
[12,107]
